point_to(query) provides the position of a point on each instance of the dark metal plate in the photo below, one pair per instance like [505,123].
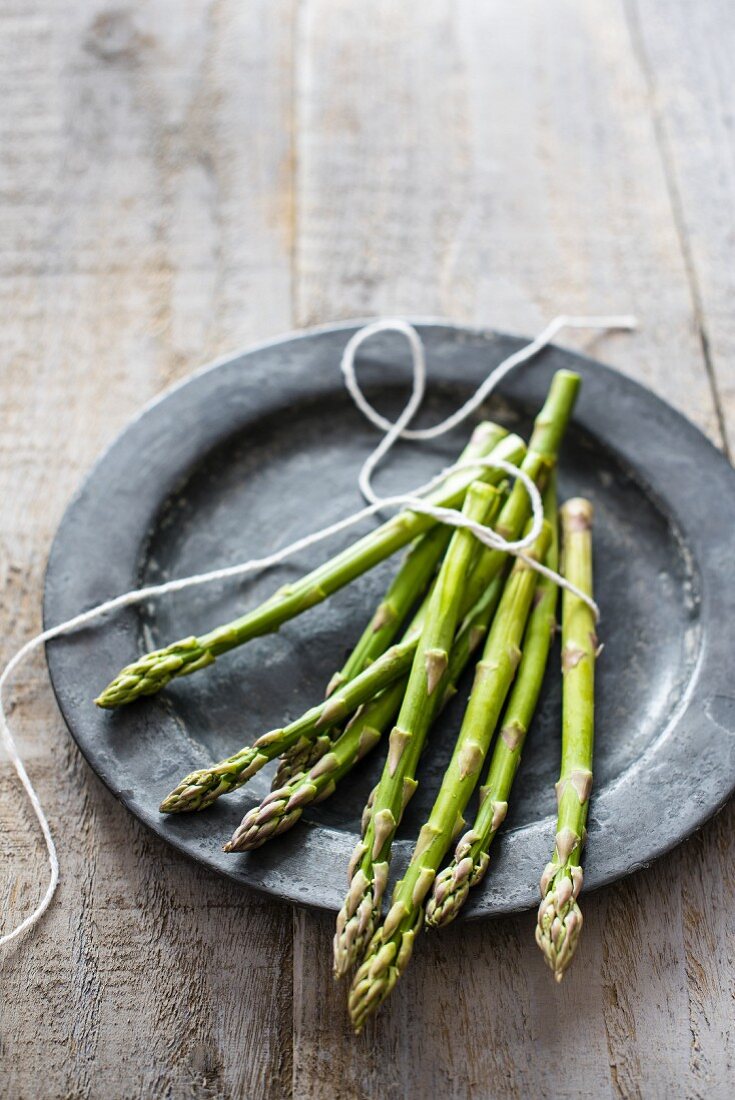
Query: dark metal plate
[261,448]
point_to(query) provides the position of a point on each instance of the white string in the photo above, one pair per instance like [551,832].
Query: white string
[625,322]
[414,501]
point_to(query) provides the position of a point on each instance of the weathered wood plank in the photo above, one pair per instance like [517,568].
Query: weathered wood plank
[686,55]
[146,221]
[493,165]
[498,164]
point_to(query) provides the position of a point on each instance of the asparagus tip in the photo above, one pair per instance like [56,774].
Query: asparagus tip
[559,921]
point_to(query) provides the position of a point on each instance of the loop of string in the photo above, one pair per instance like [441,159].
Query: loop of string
[414,501]
[399,430]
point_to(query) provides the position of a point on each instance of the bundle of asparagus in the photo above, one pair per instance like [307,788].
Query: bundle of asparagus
[451,596]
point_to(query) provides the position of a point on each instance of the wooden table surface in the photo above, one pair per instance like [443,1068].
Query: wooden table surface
[179,178]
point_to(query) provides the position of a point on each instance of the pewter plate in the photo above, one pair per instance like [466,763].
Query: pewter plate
[265,446]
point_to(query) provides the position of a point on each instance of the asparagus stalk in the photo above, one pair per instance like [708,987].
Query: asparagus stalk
[281,809]
[201,788]
[360,911]
[471,859]
[391,946]
[538,463]
[412,579]
[369,866]
[559,917]
[155,670]
[407,586]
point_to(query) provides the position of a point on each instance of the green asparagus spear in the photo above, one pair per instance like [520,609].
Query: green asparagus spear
[471,858]
[409,583]
[559,916]
[155,670]
[412,579]
[360,911]
[285,805]
[391,946]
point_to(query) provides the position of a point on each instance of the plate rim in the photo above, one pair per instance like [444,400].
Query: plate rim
[694,819]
